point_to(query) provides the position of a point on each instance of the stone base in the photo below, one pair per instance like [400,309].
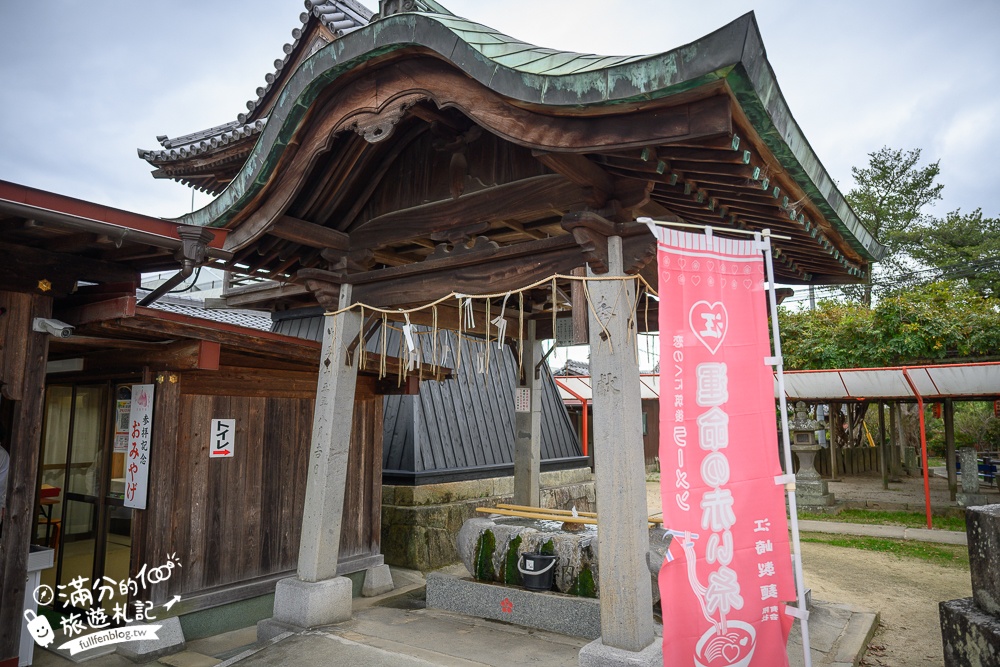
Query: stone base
[596,654]
[813,493]
[312,604]
[829,500]
[971,499]
[419,523]
[566,614]
[269,629]
[170,640]
[971,637]
[378,580]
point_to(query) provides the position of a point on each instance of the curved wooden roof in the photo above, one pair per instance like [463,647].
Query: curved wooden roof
[374,154]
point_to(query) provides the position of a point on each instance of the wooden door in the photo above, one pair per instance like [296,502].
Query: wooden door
[360,535]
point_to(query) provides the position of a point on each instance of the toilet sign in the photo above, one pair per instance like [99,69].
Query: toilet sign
[222,438]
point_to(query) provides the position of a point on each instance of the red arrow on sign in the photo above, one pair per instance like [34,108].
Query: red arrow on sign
[224,451]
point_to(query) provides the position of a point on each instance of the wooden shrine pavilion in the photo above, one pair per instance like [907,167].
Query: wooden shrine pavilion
[416,167]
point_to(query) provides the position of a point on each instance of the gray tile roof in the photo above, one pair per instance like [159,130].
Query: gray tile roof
[338,16]
[201,142]
[250,319]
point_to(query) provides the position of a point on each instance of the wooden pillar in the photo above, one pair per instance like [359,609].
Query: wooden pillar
[883,451]
[894,457]
[949,446]
[319,547]
[623,540]
[22,369]
[528,424]
[835,440]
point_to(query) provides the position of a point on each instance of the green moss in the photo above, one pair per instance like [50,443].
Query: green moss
[485,546]
[510,573]
[548,549]
[584,585]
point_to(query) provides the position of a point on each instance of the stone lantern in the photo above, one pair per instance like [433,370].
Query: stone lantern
[811,491]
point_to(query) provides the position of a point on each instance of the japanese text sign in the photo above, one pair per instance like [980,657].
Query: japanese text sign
[729,567]
[222,438]
[139,440]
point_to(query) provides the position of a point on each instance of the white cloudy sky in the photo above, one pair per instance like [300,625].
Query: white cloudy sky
[86,83]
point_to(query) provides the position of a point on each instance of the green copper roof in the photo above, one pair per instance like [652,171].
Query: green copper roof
[540,76]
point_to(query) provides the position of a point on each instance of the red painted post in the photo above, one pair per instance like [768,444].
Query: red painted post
[923,446]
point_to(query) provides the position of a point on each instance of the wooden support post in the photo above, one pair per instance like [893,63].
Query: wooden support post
[623,540]
[528,424]
[836,419]
[319,548]
[949,445]
[24,446]
[895,471]
[883,451]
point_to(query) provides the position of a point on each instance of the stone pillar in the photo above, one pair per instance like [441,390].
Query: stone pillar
[949,447]
[970,627]
[318,596]
[623,539]
[528,424]
[970,494]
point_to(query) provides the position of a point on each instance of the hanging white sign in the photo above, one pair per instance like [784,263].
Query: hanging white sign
[222,438]
[140,437]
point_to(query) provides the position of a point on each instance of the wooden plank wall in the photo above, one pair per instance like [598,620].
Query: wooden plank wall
[651,439]
[233,520]
[851,461]
[361,530]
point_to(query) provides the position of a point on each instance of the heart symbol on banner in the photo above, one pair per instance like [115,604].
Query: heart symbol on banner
[723,281]
[731,652]
[665,276]
[710,265]
[682,262]
[709,322]
[747,283]
[695,279]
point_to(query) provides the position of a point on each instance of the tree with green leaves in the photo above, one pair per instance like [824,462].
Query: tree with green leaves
[960,247]
[889,197]
[924,324]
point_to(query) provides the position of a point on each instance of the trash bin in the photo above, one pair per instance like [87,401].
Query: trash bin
[39,558]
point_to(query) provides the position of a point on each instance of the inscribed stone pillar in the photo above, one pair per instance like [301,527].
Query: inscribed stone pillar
[623,539]
[970,495]
[970,627]
[319,547]
[528,425]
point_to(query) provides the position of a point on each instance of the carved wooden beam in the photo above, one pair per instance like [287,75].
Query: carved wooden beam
[591,232]
[472,213]
[581,171]
[309,234]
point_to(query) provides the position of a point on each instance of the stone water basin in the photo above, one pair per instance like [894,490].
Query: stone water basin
[491,546]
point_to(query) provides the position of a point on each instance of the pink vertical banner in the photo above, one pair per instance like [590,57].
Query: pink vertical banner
[729,568]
